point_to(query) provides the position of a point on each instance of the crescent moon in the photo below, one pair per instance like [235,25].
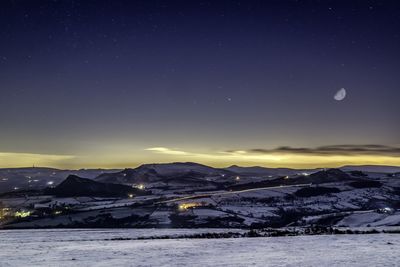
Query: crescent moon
[340,95]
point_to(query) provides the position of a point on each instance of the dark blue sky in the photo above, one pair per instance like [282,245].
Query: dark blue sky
[99,82]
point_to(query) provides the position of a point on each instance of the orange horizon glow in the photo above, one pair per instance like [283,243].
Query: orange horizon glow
[215,159]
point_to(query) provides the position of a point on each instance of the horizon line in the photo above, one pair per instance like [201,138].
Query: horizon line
[191,162]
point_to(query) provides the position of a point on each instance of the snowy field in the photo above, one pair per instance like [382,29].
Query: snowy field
[101,248]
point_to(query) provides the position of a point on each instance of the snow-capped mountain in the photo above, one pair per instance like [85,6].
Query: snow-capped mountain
[372,168]
[262,171]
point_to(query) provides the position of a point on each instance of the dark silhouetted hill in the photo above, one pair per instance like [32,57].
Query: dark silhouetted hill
[77,186]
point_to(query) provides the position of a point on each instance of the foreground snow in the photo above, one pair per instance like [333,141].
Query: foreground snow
[101,248]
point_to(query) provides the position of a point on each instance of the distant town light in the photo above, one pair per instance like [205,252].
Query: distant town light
[139,186]
[237,178]
[130,195]
[386,210]
[4,212]
[186,206]
[50,182]
[22,214]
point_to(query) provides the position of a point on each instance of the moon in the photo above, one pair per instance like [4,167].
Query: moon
[340,95]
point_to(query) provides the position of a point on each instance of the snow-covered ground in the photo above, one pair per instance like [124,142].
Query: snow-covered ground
[328,198]
[102,248]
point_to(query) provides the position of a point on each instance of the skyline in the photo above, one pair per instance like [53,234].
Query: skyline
[296,158]
[116,84]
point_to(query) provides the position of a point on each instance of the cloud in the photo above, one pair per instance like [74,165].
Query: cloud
[168,151]
[334,150]
[215,156]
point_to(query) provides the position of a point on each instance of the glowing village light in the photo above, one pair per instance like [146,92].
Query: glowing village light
[186,206]
[22,214]
[139,186]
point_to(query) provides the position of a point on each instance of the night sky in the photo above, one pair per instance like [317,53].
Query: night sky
[120,83]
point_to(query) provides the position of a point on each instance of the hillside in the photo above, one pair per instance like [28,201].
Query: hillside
[75,186]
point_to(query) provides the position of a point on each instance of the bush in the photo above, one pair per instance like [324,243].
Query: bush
[358,174]
[316,191]
[365,184]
